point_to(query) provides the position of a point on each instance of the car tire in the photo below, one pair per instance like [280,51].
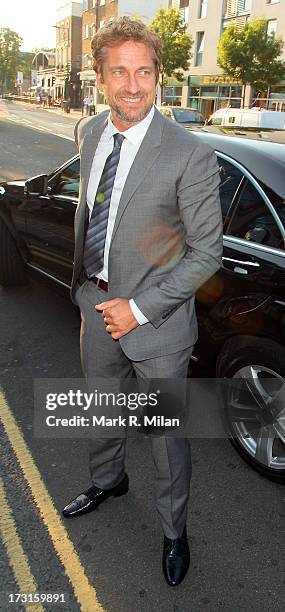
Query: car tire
[12,267]
[256,364]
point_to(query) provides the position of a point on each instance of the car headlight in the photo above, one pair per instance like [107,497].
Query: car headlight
[2,190]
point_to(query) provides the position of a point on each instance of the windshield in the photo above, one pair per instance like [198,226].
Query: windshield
[186,115]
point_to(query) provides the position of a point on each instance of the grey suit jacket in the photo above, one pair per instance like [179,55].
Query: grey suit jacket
[167,238]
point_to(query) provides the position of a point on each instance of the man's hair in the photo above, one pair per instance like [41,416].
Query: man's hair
[121,30]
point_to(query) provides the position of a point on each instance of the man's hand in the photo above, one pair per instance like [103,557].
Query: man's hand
[118,317]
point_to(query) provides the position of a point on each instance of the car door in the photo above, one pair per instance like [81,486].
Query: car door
[254,262]
[50,224]
[237,299]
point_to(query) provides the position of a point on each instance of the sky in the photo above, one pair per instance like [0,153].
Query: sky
[32,19]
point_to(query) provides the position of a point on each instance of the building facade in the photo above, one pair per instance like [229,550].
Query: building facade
[43,73]
[206,88]
[68,52]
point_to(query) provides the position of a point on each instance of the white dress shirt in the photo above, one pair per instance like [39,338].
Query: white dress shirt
[130,146]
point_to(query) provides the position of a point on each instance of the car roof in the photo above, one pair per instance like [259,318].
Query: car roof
[265,160]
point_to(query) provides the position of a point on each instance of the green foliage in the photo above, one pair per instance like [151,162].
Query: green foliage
[10,57]
[176,43]
[250,55]
[25,65]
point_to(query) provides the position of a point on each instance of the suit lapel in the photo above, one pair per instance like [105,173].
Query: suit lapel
[147,154]
[87,149]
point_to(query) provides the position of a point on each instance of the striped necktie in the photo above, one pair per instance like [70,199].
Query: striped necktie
[93,258]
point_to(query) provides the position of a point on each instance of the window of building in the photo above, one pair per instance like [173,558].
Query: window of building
[184,13]
[247,5]
[243,6]
[93,29]
[183,4]
[102,2]
[85,30]
[86,60]
[94,3]
[203,9]
[102,22]
[271,27]
[199,48]
[173,95]
[272,1]
[237,7]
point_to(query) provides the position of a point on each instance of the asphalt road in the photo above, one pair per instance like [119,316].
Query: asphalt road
[33,140]
[236,517]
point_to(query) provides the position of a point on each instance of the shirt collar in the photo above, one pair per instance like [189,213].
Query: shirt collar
[134,134]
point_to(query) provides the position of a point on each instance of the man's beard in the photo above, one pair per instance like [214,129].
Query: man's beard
[124,115]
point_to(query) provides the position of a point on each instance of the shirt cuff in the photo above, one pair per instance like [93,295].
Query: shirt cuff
[141,319]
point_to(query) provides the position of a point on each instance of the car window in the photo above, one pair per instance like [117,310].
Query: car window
[253,220]
[277,202]
[231,177]
[186,115]
[215,121]
[66,183]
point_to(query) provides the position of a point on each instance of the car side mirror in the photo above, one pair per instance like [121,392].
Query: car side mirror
[37,185]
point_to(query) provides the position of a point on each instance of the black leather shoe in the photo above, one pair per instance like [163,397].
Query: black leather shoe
[176,559]
[92,498]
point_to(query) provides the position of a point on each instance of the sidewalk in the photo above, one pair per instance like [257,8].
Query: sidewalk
[74,112]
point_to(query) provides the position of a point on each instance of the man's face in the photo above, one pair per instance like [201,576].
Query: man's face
[128,83]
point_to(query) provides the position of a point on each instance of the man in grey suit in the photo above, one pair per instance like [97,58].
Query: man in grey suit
[148,234]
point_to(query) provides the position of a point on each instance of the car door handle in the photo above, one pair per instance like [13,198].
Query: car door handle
[240,266]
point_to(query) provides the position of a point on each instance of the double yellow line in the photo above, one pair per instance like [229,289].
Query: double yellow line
[83,590]
[18,560]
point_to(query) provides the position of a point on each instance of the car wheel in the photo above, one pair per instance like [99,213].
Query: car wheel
[254,402]
[12,267]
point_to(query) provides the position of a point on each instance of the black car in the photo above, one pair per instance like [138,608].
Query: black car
[241,310]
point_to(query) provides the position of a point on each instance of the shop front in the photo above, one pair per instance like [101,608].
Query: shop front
[208,93]
[272,98]
[88,88]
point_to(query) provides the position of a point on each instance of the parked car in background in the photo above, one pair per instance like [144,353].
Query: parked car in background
[187,117]
[241,309]
[248,117]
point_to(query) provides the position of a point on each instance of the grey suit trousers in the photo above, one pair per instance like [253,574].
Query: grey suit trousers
[103,357]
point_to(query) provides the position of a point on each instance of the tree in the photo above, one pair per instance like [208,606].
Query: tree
[25,63]
[176,44]
[251,55]
[10,43]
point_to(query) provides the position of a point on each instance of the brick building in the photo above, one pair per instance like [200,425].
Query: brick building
[68,52]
